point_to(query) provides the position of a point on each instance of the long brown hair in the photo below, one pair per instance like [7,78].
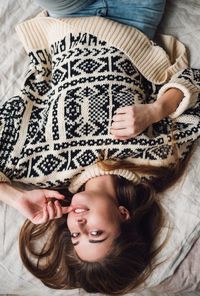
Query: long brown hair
[47,252]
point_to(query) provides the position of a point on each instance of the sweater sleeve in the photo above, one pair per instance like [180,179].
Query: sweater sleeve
[186,82]
[3,177]
[10,119]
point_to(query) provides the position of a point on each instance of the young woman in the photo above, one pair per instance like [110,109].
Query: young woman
[109,115]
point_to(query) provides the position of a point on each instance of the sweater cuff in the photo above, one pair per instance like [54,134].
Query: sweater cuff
[3,178]
[184,104]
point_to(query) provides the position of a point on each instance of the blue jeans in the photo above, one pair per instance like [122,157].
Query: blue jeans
[144,15]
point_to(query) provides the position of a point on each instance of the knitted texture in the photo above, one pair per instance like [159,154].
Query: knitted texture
[59,124]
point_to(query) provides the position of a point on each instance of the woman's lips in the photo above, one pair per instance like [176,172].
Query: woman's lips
[79,209]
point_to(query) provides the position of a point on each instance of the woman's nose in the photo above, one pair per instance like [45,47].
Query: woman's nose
[81,221]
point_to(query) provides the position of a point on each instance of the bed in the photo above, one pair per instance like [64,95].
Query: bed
[181,20]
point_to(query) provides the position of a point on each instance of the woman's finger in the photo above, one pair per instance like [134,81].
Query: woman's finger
[124,109]
[45,214]
[120,132]
[119,117]
[119,124]
[58,209]
[122,138]
[53,194]
[66,210]
[51,210]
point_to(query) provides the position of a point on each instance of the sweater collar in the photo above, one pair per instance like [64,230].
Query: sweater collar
[95,171]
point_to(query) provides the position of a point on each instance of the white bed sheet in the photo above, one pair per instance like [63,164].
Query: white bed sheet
[181,19]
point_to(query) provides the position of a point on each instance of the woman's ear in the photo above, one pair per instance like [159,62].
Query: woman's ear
[124,213]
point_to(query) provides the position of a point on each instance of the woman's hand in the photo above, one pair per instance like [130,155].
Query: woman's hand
[37,206]
[130,121]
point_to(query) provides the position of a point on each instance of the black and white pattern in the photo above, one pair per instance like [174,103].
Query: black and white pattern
[61,122]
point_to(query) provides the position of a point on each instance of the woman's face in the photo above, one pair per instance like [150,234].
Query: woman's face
[94,223]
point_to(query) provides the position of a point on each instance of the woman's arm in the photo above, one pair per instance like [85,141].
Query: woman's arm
[35,205]
[132,120]
[187,82]
[167,104]
[9,194]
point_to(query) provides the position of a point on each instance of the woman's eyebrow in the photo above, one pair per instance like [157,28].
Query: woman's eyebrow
[97,241]
[92,241]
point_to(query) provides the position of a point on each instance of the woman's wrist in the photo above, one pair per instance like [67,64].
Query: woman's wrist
[166,104]
[10,195]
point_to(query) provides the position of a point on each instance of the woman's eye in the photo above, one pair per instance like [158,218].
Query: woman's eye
[74,234]
[96,232]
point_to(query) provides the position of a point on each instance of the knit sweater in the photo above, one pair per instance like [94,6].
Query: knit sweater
[81,71]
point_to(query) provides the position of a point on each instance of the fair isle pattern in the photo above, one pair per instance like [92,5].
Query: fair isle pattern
[61,121]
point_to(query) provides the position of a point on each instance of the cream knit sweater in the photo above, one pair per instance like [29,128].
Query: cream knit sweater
[81,70]
[46,143]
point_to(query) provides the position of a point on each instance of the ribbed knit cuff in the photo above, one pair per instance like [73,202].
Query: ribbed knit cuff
[3,178]
[184,104]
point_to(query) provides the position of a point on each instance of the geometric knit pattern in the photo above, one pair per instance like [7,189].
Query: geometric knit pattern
[61,121]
